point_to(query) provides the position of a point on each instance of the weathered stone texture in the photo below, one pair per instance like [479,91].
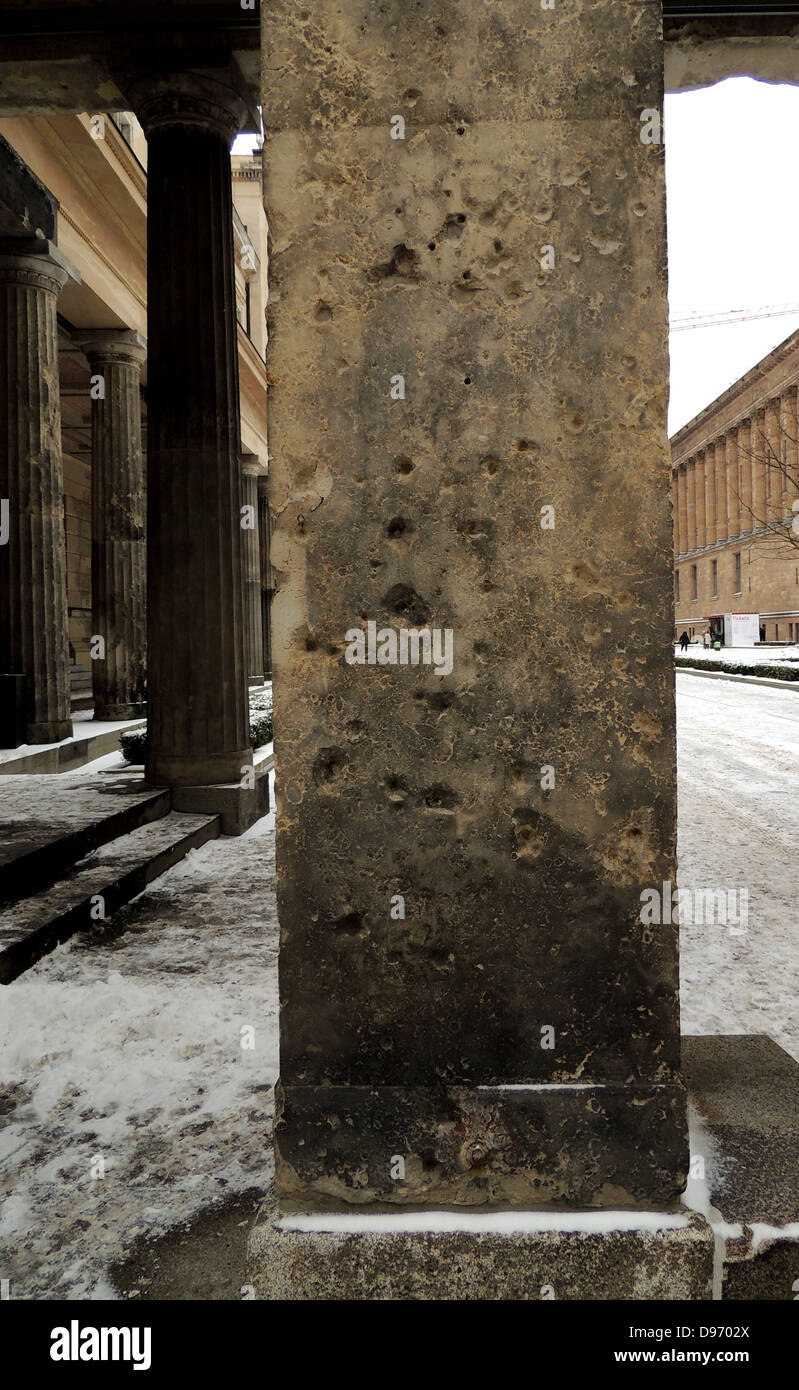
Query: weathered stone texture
[671,1261]
[525,388]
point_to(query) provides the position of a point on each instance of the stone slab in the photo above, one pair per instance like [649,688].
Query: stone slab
[237,807]
[49,823]
[442,1256]
[509,1147]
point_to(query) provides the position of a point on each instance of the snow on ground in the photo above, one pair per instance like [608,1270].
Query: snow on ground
[127,1047]
[738,827]
[741,656]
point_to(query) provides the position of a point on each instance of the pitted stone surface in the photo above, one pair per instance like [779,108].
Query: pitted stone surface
[534,392]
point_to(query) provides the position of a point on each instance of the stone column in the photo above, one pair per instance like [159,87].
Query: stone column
[250,470]
[267,576]
[34,639]
[721,488]
[788,432]
[675,509]
[733,485]
[759,504]
[710,494]
[701,494]
[745,458]
[690,503]
[473,1012]
[118,544]
[773,460]
[683,506]
[198,729]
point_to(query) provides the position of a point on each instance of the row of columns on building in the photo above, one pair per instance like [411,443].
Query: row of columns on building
[206,568]
[742,482]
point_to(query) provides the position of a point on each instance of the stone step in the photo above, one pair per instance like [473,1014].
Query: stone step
[42,836]
[116,872]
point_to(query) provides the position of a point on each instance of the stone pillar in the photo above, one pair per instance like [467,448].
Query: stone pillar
[710,495]
[683,506]
[675,508]
[745,432]
[759,504]
[721,488]
[34,639]
[788,432]
[198,728]
[701,490]
[250,470]
[118,544]
[733,485]
[466,981]
[773,460]
[690,503]
[267,577]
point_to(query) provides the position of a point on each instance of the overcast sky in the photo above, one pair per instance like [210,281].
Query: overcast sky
[732,176]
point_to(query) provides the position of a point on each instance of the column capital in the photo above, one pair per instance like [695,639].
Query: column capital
[35,261]
[112,345]
[190,99]
[252,465]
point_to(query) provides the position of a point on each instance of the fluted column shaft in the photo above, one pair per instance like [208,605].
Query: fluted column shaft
[675,509]
[701,465]
[118,544]
[198,728]
[745,457]
[252,574]
[682,500]
[34,637]
[710,495]
[690,508]
[758,469]
[721,488]
[773,460]
[788,433]
[733,487]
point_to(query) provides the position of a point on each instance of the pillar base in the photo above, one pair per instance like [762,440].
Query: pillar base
[511,1147]
[487,1256]
[109,713]
[52,732]
[238,807]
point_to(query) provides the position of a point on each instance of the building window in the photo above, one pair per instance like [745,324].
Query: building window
[694,585]
[677,587]
[776,632]
[714,577]
[738,577]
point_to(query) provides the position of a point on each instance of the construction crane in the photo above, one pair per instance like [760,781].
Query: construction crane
[683,322]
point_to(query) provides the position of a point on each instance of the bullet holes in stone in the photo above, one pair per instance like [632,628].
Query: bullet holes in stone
[439,798]
[328,765]
[404,601]
[403,465]
[324,313]
[467,381]
[348,925]
[397,528]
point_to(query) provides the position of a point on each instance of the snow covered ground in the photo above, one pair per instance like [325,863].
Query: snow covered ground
[738,827]
[128,1047]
